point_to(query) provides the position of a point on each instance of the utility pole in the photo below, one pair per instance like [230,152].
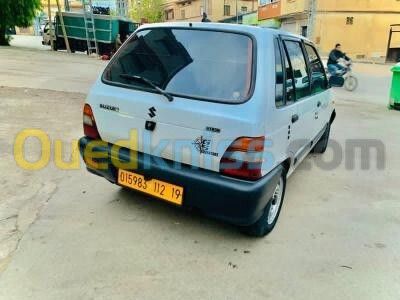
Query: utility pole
[50,25]
[139,3]
[66,5]
[63,27]
[205,8]
[311,19]
[237,13]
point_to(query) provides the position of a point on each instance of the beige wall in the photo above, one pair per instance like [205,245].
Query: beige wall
[367,36]
[215,9]
[293,6]
[359,5]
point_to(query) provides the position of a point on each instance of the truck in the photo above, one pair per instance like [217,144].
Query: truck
[106,30]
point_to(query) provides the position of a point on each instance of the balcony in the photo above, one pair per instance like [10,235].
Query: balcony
[270,10]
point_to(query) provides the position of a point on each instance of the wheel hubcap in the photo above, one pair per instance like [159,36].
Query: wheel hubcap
[275,202]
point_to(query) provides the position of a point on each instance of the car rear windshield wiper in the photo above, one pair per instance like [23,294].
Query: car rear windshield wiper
[148,82]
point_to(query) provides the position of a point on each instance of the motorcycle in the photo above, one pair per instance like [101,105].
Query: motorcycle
[343,77]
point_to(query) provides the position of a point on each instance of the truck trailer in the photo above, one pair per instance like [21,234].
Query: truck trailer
[106,30]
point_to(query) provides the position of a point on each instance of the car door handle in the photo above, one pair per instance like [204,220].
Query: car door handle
[319,104]
[295,118]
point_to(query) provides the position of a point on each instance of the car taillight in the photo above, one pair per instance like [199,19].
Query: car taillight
[244,158]
[89,124]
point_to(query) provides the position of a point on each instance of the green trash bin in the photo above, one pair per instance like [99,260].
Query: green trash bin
[395,90]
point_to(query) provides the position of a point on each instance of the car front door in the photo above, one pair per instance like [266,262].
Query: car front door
[319,89]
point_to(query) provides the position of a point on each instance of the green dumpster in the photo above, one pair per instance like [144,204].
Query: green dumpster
[395,90]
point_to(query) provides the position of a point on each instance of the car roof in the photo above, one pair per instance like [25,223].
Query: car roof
[255,30]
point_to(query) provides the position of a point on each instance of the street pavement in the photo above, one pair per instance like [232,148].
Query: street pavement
[67,234]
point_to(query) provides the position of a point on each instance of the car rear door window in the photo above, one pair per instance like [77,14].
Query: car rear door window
[289,80]
[318,76]
[279,76]
[299,69]
[192,63]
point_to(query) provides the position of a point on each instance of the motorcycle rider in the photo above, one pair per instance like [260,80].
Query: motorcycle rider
[333,62]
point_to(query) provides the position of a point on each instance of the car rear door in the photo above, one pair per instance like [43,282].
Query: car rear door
[283,126]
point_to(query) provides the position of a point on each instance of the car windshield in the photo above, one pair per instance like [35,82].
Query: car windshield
[202,64]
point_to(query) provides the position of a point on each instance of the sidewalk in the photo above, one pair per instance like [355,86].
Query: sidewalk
[28,41]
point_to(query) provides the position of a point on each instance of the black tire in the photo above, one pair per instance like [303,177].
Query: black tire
[322,144]
[351,83]
[264,226]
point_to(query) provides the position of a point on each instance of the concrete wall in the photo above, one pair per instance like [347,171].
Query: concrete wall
[359,5]
[293,6]
[367,36]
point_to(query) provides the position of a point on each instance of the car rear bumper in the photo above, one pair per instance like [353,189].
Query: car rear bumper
[233,200]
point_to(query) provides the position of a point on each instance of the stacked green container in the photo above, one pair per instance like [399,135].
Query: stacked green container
[395,90]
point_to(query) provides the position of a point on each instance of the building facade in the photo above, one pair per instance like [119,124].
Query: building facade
[122,7]
[217,10]
[361,26]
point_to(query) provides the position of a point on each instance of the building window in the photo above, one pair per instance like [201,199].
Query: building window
[304,30]
[227,10]
[349,20]
[182,14]
[169,14]
[243,9]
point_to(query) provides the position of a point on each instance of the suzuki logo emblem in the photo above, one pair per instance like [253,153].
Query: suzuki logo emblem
[152,112]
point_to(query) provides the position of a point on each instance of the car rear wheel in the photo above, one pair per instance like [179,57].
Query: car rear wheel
[270,216]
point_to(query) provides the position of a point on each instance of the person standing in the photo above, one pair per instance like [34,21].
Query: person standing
[118,42]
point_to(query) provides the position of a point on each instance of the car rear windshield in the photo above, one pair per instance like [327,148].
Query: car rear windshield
[192,63]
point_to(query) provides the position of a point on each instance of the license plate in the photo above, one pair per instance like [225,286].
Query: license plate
[161,189]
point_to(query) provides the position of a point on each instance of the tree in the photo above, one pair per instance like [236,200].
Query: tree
[151,10]
[16,13]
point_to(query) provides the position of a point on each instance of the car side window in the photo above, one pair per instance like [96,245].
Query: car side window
[318,77]
[289,80]
[299,67]
[279,76]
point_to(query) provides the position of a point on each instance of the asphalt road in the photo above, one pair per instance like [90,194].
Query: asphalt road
[71,235]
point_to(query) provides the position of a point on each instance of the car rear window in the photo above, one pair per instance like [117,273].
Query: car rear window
[193,63]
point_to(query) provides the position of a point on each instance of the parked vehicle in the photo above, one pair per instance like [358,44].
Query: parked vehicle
[219,119]
[106,30]
[344,77]
[10,31]
[46,33]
